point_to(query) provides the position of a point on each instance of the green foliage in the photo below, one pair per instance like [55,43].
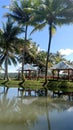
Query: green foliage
[8,41]
[60,85]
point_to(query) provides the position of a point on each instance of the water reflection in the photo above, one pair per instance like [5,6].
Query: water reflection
[33,112]
[29,92]
[62,94]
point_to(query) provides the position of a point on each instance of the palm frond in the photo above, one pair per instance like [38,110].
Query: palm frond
[38,27]
[12,60]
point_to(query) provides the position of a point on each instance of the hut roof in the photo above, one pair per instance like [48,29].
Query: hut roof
[62,66]
[28,67]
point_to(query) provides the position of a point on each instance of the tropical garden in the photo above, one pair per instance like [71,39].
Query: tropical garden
[20,17]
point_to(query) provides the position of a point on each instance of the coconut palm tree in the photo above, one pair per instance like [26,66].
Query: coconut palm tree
[20,14]
[58,57]
[52,13]
[8,47]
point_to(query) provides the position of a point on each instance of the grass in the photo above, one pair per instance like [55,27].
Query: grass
[32,84]
[60,85]
[37,84]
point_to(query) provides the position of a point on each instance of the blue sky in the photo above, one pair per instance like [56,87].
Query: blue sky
[62,40]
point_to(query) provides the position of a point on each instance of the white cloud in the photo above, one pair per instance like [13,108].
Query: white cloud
[39,49]
[66,51]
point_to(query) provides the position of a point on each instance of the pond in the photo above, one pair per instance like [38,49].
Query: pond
[25,111]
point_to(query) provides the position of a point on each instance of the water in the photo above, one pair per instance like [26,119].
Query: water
[21,111]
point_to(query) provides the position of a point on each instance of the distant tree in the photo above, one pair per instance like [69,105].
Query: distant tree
[58,57]
[32,54]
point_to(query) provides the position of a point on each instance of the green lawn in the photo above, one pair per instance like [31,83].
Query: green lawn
[37,84]
[33,84]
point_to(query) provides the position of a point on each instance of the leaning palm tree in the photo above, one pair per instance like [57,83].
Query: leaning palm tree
[8,47]
[52,13]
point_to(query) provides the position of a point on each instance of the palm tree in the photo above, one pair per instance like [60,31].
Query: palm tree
[22,16]
[58,57]
[52,13]
[8,47]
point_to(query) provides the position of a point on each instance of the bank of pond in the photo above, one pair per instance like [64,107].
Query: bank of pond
[21,92]
[36,88]
[60,85]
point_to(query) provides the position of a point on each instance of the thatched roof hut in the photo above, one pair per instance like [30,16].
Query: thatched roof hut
[63,66]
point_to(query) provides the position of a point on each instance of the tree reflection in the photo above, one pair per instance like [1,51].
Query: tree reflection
[6,106]
[47,115]
[28,111]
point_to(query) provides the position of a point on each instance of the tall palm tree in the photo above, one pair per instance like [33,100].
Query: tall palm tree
[52,13]
[8,47]
[20,14]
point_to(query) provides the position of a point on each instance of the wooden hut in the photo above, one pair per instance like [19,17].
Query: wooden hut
[29,70]
[64,67]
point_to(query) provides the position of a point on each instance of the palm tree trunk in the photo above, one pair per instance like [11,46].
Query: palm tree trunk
[6,68]
[48,52]
[23,59]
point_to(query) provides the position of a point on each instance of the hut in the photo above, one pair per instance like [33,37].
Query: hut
[67,71]
[29,70]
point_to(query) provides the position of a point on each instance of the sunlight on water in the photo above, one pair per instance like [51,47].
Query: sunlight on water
[34,113]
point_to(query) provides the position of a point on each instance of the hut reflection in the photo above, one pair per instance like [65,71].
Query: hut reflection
[31,92]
